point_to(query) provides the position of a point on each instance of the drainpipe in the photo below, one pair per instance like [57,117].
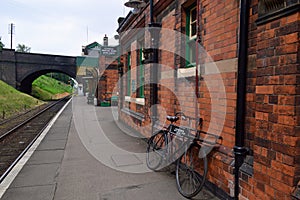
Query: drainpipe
[239,149]
[197,64]
[154,31]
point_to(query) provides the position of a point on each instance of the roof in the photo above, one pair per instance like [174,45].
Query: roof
[125,20]
[93,45]
[85,61]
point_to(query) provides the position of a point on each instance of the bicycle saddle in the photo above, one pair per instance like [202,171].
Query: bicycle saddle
[172,118]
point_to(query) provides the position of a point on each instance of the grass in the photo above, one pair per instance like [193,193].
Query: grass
[12,101]
[41,94]
[47,88]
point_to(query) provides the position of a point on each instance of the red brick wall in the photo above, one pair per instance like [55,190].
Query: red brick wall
[220,21]
[166,93]
[108,78]
[272,115]
[272,108]
[219,38]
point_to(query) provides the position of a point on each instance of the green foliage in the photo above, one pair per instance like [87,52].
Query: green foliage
[46,88]
[1,44]
[12,101]
[23,48]
[59,76]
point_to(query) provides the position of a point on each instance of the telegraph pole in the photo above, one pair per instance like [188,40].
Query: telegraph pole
[11,31]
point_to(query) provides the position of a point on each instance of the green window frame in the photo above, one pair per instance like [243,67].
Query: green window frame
[191,32]
[128,74]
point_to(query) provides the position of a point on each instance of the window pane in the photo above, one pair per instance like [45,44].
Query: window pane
[193,15]
[192,52]
[192,33]
[128,74]
[193,29]
[141,71]
[291,2]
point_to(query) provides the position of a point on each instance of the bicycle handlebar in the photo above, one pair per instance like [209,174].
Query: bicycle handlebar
[184,117]
[212,138]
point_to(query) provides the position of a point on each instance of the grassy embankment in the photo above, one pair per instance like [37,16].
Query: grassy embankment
[46,88]
[12,101]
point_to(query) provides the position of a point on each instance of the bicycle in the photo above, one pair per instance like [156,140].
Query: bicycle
[178,144]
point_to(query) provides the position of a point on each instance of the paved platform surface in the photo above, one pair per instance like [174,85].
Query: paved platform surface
[87,155]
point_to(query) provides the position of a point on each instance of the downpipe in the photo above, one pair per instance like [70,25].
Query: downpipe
[239,149]
[154,32]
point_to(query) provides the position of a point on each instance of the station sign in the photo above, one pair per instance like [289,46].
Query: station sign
[109,51]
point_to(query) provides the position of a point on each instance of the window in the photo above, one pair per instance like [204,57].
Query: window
[141,71]
[269,10]
[191,32]
[193,23]
[128,74]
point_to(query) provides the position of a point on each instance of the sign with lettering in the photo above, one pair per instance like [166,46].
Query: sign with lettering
[179,131]
[133,86]
[109,51]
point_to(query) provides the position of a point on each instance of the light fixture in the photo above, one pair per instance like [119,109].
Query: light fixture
[137,5]
[136,11]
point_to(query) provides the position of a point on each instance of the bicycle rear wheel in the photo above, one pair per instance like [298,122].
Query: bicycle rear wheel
[156,149]
[189,181]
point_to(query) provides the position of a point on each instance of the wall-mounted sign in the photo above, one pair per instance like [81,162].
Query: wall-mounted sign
[133,86]
[109,51]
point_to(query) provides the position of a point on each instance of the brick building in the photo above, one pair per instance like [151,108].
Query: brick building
[107,90]
[244,83]
[99,66]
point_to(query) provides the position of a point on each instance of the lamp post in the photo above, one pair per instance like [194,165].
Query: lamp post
[120,72]
[152,52]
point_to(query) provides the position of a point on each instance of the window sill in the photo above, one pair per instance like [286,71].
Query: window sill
[134,114]
[140,101]
[191,65]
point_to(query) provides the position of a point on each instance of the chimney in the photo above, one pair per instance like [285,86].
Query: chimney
[105,41]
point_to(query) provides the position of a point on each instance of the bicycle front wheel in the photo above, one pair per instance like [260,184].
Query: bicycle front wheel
[156,149]
[191,172]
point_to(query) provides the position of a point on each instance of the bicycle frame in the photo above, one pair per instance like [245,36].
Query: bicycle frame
[184,135]
[178,143]
[179,134]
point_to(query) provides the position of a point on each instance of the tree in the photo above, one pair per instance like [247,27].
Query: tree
[59,76]
[23,48]
[1,44]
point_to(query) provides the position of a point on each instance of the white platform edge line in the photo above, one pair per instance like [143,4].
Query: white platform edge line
[17,168]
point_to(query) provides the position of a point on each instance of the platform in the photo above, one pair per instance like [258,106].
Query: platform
[86,154]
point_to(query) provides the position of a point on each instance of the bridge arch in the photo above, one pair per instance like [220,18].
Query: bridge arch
[25,84]
[21,69]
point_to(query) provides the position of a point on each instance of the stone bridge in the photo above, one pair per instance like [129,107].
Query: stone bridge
[21,69]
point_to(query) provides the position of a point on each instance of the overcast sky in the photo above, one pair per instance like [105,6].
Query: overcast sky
[59,26]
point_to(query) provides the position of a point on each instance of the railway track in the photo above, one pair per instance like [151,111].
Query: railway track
[10,123]
[15,142]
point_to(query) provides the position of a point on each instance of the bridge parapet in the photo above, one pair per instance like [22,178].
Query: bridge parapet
[21,69]
[45,59]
